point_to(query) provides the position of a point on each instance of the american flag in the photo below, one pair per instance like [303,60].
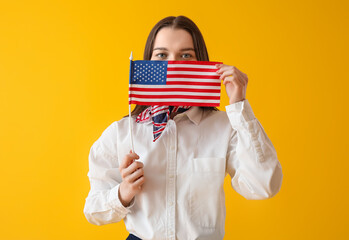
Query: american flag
[174,83]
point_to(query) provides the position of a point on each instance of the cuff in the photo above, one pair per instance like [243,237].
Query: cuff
[239,112]
[114,202]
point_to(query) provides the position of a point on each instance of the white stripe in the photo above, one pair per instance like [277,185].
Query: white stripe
[174,86]
[157,108]
[193,73]
[193,80]
[174,100]
[191,66]
[160,112]
[175,93]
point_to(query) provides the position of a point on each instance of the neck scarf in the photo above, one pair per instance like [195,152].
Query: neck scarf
[159,115]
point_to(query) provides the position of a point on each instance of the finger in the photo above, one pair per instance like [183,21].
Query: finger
[132,168]
[240,76]
[128,159]
[232,80]
[218,65]
[244,76]
[227,73]
[224,68]
[228,68]
[134,176]
[139,182]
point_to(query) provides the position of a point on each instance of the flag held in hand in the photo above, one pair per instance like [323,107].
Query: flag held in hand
[174,83]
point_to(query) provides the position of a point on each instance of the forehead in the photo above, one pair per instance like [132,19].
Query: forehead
[171,38]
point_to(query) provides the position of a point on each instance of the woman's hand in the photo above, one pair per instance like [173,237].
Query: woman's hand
[132,178]
[235,82]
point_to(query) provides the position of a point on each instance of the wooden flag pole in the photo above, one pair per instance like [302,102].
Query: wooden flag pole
[129,109]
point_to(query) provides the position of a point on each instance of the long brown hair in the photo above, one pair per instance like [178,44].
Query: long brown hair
[180,22]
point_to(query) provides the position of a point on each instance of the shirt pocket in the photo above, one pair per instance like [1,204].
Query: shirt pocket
[206,194]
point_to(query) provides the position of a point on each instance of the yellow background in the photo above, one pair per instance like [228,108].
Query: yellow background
[64,78]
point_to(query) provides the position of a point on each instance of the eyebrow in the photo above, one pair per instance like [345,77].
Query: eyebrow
[183,49]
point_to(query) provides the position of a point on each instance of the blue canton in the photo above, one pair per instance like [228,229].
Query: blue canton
[149,72]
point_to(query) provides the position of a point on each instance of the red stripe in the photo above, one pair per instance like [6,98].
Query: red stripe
[176,103]
[160,124]
[175,90]
[175,96]
[154,111]
[191,76]
[155,108]
[194,83]
[160,130]
[156,138]
[143,119]
[192,69]
[194,62]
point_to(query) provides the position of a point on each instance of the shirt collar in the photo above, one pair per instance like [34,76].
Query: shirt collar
[194,114]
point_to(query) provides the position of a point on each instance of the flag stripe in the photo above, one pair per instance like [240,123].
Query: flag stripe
[194,83]
[163,87]
[155,99]
[194,62]
[191,66]
[134,89]
[178,103]
[174,69]
[193,79]
[191,76]
[175,92]
[184,73]
[174,96]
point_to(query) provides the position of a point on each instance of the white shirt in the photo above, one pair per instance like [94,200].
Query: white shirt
[183,196]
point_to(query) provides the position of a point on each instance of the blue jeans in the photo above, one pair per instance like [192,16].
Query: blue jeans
[132,237]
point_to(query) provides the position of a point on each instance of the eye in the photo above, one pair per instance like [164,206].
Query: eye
[186,55]
[161,55]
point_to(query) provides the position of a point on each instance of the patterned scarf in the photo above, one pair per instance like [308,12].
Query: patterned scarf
[159,116]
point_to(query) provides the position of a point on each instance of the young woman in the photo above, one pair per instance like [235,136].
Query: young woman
[173,187]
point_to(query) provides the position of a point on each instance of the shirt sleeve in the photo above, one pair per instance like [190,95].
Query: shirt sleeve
[102,205]
[251,158]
